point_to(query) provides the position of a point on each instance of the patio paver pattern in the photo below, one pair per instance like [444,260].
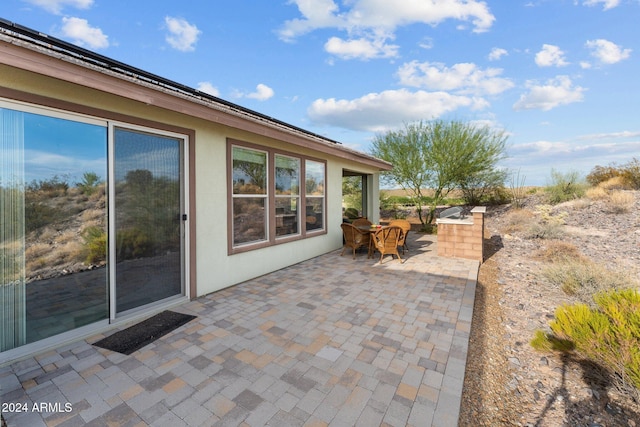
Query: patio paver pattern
[327,342]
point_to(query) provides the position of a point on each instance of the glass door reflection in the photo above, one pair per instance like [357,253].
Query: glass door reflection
[148,224]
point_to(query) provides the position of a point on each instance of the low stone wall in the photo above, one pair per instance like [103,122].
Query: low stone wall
[462,238]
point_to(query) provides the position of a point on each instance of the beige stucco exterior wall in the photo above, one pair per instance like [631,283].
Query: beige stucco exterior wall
[215,269]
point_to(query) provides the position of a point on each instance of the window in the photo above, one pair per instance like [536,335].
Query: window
[268,203]
[53,224]
[287,195]
[249,196]
[314,184]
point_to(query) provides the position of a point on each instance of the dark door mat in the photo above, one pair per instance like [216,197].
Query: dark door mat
[137,336]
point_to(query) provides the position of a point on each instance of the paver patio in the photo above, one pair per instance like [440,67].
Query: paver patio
[330,341]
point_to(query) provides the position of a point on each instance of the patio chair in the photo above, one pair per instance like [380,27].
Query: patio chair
[386,241]
[406,227]
[354,238]
[359,222]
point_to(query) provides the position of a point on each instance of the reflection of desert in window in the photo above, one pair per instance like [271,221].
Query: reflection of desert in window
[248,220]
[148,223]
[56,245]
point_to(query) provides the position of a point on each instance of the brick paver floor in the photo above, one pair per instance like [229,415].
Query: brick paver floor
[328,342]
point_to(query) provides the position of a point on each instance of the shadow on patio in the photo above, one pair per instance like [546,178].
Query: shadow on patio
[330,341]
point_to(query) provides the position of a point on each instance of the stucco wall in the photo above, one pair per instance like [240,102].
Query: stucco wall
[215,269]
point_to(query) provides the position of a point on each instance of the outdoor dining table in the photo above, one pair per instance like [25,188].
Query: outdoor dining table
[371,229]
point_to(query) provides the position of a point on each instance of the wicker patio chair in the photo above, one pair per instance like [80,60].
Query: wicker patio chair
[359,222]
[354,238]
[386,241]
[406,227]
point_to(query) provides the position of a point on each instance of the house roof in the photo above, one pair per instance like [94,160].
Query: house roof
[34,51]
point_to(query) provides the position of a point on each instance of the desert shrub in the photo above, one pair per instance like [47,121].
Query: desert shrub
[482,186]
[89,184]
[95,240]
[547,225]
[584,278]
[621,202]
[600,174]
[134,243]
[498,196]
[628,174]
[518,220]
[559,251]
[39,214]
[564,187]
[517,189]
[54,186]
[608,334]
[631,173]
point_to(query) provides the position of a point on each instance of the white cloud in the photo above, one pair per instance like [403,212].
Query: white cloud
[370,23]
[497,53]
[262,93]
[56,6]
[378,112]
[536,159]
[426,43]
[607,52]
[464,78]
[549,56]
[610,135]
[83,34]
[360,48]
[182,35]
[607,4]
[556,92]
[207,87]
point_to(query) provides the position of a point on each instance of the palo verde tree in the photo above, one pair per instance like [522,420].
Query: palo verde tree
[440,156]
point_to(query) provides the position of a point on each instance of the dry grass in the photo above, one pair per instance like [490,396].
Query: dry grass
[621,201]
[93,215]
[584,278]
[559,251]
[597,193]
[615,183]
[518,220]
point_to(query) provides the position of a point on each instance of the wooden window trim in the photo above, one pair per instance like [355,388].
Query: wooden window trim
[271,218]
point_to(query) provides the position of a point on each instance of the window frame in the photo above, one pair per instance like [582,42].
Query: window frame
[264,196]
[290,197]
[273,239]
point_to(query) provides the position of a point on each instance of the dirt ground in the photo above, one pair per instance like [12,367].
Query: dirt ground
[507,382]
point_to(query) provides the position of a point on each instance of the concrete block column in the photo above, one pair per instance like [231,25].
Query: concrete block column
[463,237]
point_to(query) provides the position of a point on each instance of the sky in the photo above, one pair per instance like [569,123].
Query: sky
[559,77]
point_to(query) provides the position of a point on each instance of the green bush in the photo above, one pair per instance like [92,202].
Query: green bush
[608,334]
[89,184]
[134,243]
[95,241]
[564,187]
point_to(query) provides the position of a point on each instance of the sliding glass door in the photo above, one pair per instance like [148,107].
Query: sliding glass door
[53,225]
[148,219]
[92,222]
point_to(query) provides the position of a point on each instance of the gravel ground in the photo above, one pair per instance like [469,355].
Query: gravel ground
[507,382]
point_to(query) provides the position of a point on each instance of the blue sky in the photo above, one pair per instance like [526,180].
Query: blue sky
[559,76]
